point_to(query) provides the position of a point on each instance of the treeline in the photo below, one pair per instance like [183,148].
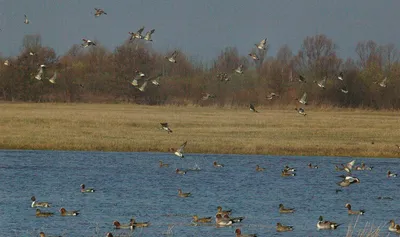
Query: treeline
[95,74]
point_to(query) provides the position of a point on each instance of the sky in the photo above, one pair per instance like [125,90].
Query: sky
[200,28]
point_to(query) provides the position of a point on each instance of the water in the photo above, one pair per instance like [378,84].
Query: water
[132,185]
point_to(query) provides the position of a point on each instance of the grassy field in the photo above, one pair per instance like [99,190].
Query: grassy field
[126,127]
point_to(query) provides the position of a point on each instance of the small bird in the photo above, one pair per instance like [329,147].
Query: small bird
[86,190]
[262,44]
[252,109]
[179,152]
[87,43]
[282,209]
[40,72]
[340,76]
[164,126]
[53,78]
[301,111]
[283,228]
[148,34]
[217,165]
[271,96]
[390,174]
[286,173]
[289,169]
[239,234]
[344,89]
[26,21]
[99,12]
[326,225]
[43,214]
[182,194]
[172,58]
[254,56]
[351,212]
[239,69]
[303,99]
[137,34]
[68,213]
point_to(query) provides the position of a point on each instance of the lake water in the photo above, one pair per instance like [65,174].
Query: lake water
[132,185]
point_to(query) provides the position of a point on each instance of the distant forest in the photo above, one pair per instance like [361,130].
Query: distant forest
[94,74]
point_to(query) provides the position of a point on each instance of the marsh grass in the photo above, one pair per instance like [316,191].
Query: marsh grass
[369,230]
[126,127]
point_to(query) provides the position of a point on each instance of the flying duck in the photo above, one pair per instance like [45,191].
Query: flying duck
[68,213]
[87,43]
[143,86]
[239,234]
[262,44]
[39,204]
[321,83]
[40,72]
[283,228]
[344,89]
[53,78]
[239,69]
[351,212]
[207,96]
[326,225]
[340,76]
[252,109]
[182,194]
[254,56]
[349,166]
[137,34]
[26,21]
[348,180]
[383,83]
[99,12]
[271,96]
[172,58]
[303,99]
[148,35]
[179,152]
[301,79]
[6,63]
[301,111]
[164,126]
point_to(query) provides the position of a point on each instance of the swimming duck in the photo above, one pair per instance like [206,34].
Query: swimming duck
[215,164]
[252,109]
[262,44]
[303,99]
[137,34]
[43,214]
[139,224]
[178,171]
[239,69]
[99,12]
[254,56]
[201,220]
[340,76]
[390,174]
[122,226]
[285,173]
[53,78]
[39,204]
[347,181]
[239,234]
[87,43]
[68,213]
[182,194]
[223,212]
[301,111]
[321,83]
[26,21]
[42,234]
[283,228]
[162,164]
[148,35]
[364,167]
[259,169]
[282,209]
[351,212]
[326,225]
[234,219]
[393,227]
[165,127]
[221,221]
[40,72]
[179,152]
[312,166]
[172,58]
[289,169]
[86,190]
[271,96]
[109,234]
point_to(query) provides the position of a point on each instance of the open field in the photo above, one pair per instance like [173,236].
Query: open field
[127,127]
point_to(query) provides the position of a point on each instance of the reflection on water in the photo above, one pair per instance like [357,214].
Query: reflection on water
[133,185]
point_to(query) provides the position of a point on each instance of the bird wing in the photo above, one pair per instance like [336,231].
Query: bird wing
[304,97]
[180,149]
[252,107]
[350,164]
[140,30]
[143,86]
[263,42]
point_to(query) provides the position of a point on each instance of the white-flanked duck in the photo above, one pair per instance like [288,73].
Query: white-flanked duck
[262,45]
[301,79]
[143,86]
[217,165]
[340,76]
[87,43]
[282,209]
[178,171]
[148,34]
[164,126]
[239,69]
[283,228]
[68,213]
[393,227]
[390,174]
[238,233]
[252,108]
[301,111]
[39,204]
[326,225]
[290,169]
[26,20]
[312,166]
[286,173]
[179,151]
[364,167]
[137,34]
[221,221]
[53,78]
[351,212]
[344,89]
[118,225]
[99,12]
[349,166]
[86,190]
[348,180]
[254,56]
[173,56]
[40,72]
[303,99]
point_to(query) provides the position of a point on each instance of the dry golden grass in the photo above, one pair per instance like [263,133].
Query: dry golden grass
[125,127]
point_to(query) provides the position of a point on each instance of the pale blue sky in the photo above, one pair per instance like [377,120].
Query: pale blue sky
[201,28]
